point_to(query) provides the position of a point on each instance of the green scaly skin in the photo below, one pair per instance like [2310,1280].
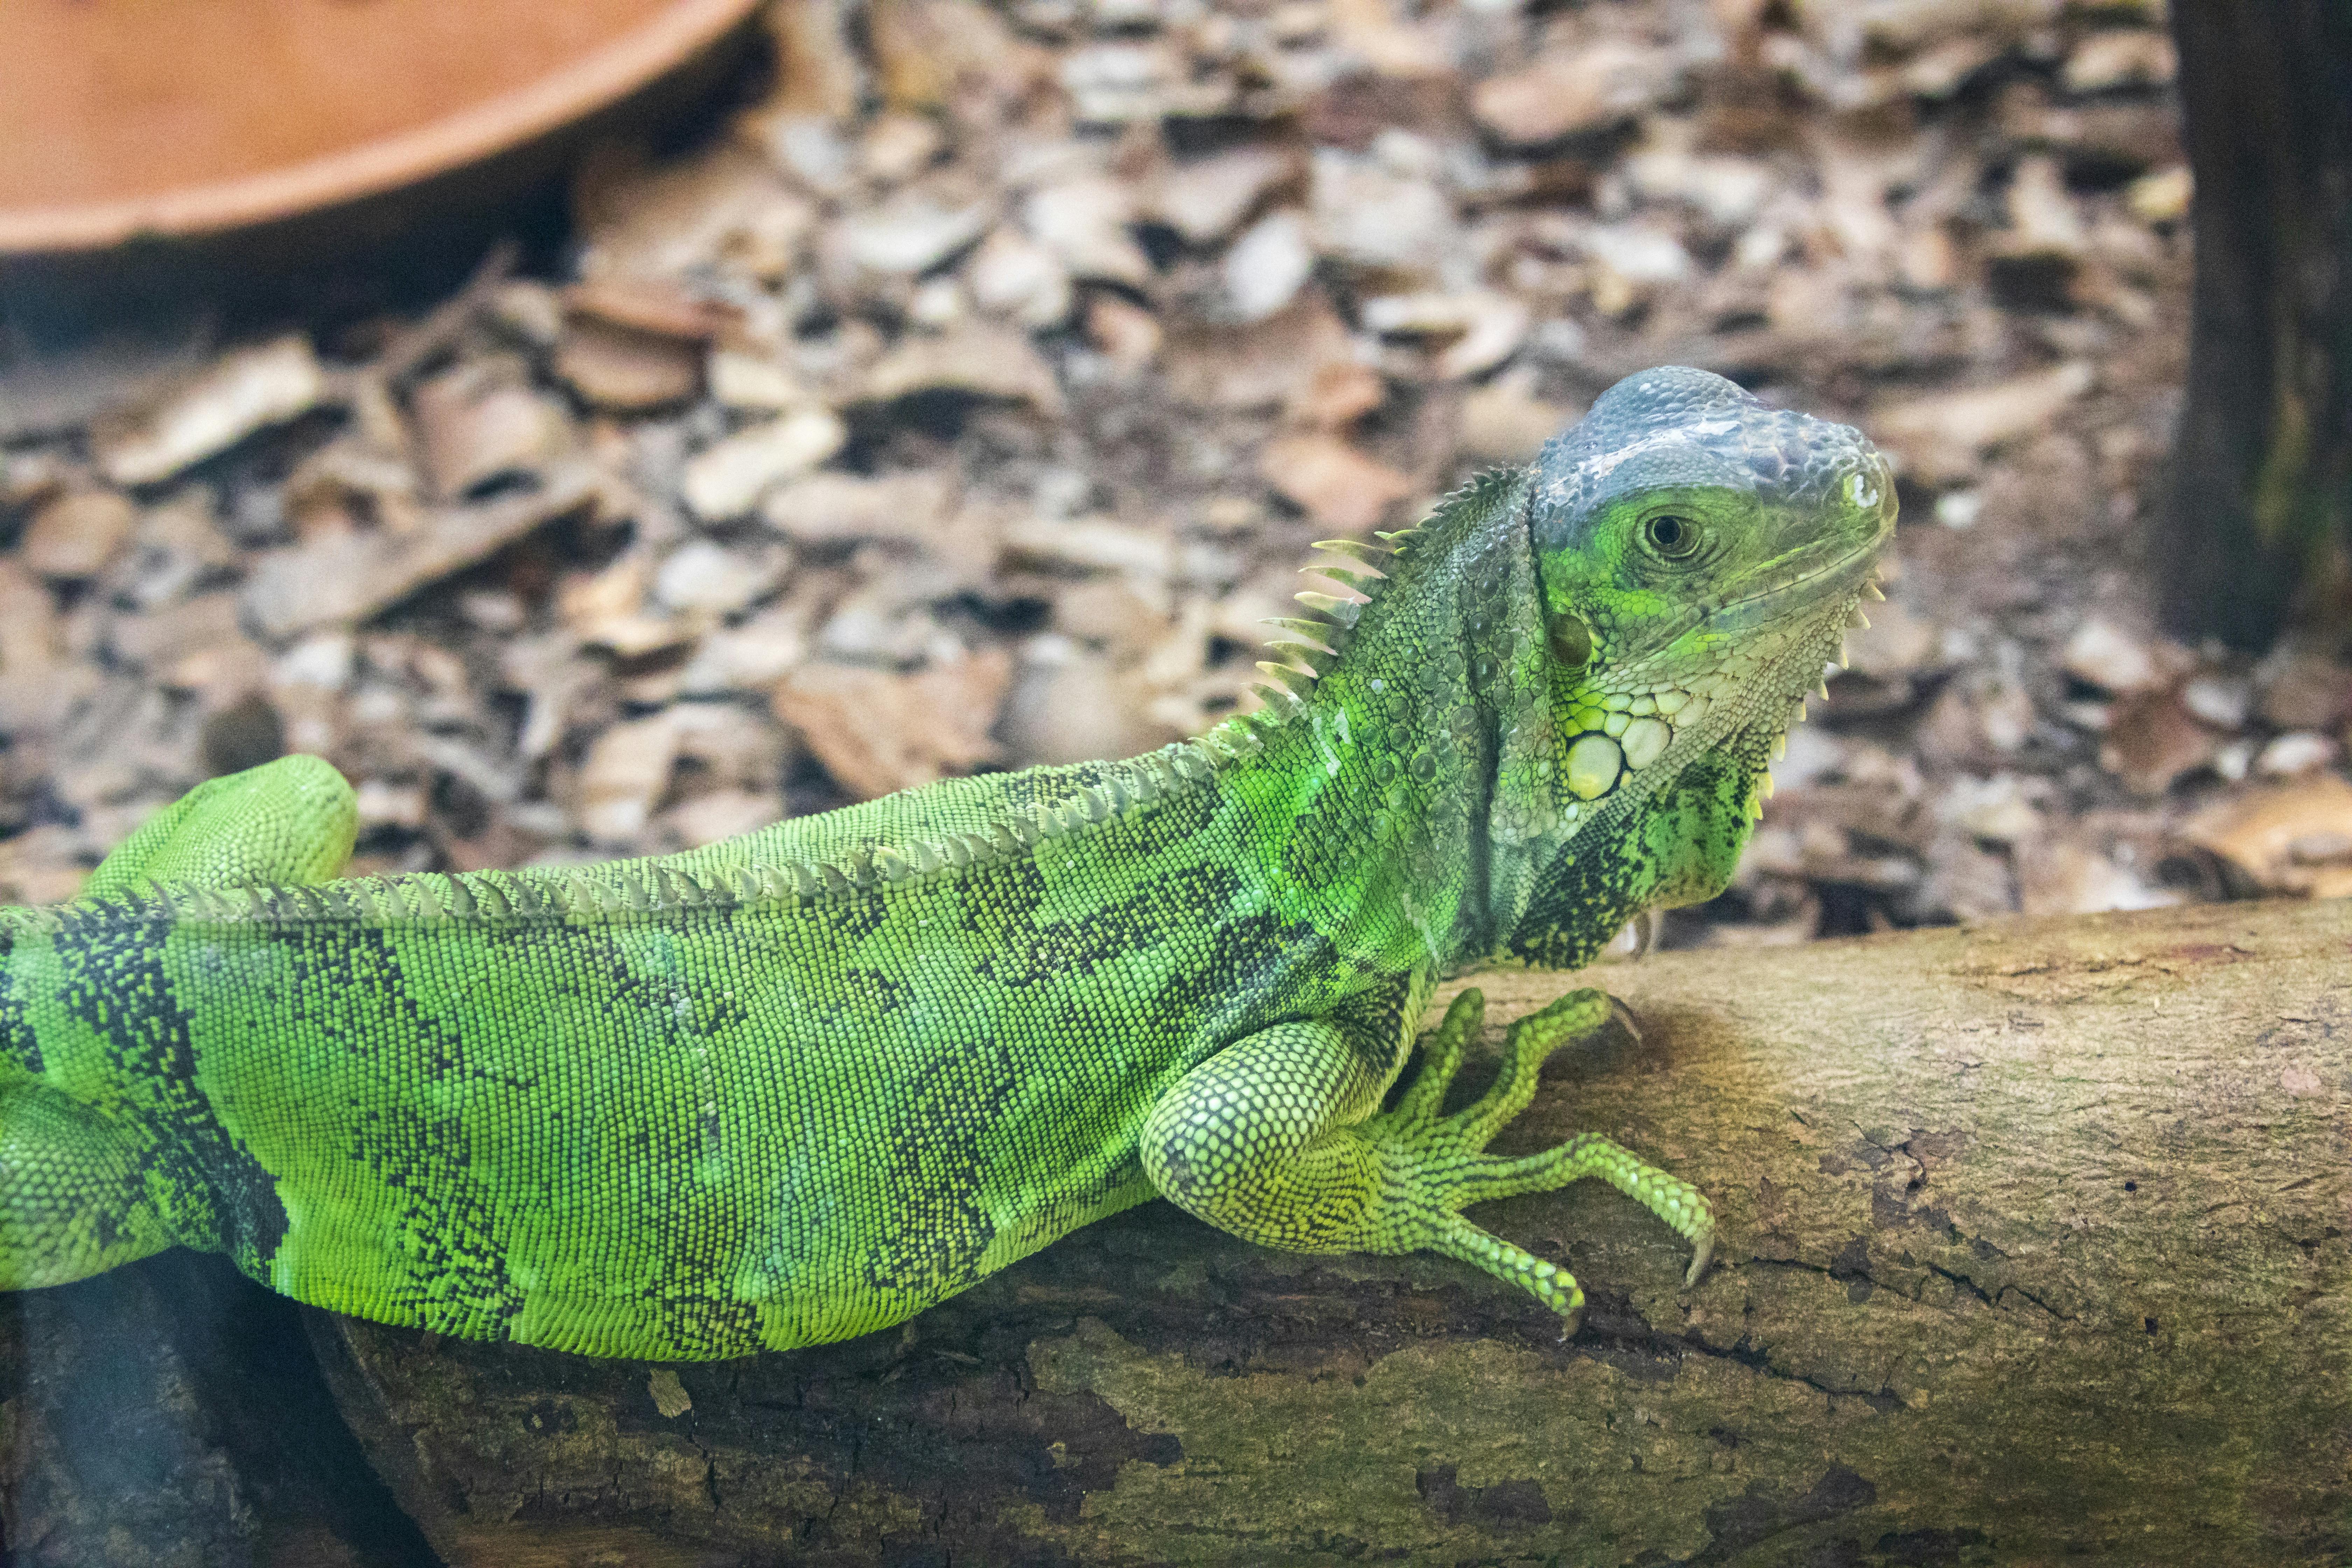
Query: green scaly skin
[805,1083]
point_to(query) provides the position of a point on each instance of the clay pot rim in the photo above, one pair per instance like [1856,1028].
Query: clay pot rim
[602,76]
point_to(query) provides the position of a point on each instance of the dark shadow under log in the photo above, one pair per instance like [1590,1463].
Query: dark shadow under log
[2033,1249]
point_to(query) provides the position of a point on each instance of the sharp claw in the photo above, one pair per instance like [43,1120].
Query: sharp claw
[1700,1255]
[1627,1016]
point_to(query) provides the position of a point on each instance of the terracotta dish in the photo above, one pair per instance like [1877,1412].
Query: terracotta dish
[183,118]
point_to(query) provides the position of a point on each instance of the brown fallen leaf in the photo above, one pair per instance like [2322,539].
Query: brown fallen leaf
[475,424]
[977,357]
[75,534]
[1128,334]
[1940,439]
[241,393]
[1259,365]
[641,218]
[2304,689]
[2288,838]
[2152,738]
[626,370]
[344,577]
[624,775]
[1504,421]
[928,53]
[2073,877]
[1341,487]
[2102,654]
[877,731]
[655,305]
[726,479]
[1573,89]
[1337,396]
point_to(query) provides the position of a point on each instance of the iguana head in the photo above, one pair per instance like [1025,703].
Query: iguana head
[1698,557]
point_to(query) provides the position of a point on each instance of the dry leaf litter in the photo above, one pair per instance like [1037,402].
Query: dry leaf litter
[969,401]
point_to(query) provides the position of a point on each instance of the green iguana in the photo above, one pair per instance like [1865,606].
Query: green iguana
[805,1083]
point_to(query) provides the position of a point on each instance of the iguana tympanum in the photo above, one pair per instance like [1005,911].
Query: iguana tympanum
[804,1083]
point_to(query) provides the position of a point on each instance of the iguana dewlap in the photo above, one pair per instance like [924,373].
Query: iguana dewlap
[807,1082]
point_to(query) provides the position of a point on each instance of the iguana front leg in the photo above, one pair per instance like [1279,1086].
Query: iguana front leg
[1269,1139]
[75,1195]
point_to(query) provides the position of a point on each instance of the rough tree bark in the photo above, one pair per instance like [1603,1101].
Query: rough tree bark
[2262,484]
[2033,1249]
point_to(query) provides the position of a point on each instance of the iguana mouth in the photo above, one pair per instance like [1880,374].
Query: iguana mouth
[1799,586]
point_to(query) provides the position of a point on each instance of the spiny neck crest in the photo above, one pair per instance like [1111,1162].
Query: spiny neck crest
[630,892]
[1310,647]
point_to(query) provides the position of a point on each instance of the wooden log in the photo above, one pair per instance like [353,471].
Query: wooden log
[169,1415]
[2032,1250]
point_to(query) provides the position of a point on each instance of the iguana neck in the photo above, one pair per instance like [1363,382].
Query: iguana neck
[1373,788]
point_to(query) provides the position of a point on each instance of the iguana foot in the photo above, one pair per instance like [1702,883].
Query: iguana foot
[1436,1164]
[1267,1139]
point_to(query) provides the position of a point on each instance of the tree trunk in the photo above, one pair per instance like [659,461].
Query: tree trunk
[2261,482]
[2033,1249]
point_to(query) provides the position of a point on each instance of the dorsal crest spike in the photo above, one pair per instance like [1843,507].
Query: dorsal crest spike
[1281,704]
[1372,555]
[1315,631]
[1314,660]
[575,896]
[422,897]
[1362,582]
[489,897]
[1342,613]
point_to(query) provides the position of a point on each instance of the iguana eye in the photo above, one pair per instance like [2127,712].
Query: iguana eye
[1672,535]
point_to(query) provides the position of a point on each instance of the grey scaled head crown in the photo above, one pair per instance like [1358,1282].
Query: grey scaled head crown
[1678,426]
